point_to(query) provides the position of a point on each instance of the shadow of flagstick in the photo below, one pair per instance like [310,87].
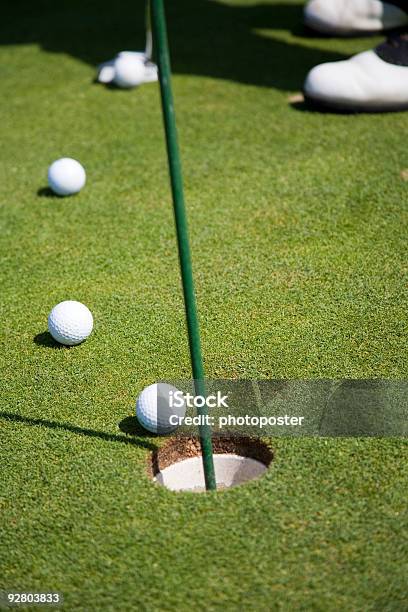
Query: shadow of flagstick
[107,437]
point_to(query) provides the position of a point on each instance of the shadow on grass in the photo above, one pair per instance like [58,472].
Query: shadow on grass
[91,433]
[46,192]
[323,109]
[45,339]
[131,426]
[207,38]
[307,106]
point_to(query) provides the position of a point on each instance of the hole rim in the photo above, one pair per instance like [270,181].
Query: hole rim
[178,449]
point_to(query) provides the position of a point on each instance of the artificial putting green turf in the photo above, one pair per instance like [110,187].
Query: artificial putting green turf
[298,226]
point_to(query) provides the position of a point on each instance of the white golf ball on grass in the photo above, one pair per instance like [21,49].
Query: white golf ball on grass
[129,70]
[66,176]
[154,409]
[70,322]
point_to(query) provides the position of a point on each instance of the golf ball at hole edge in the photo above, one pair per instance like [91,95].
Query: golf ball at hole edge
[70,322]
[66,176]
[153,408]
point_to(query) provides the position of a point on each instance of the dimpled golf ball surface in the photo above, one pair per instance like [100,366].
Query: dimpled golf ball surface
[70,322]
[66,176]
[153,408]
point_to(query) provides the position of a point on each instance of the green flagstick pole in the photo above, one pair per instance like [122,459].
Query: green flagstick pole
[163,61]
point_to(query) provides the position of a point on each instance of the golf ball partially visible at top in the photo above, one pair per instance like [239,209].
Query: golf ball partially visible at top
[154,409]
[66,176]
[70,322]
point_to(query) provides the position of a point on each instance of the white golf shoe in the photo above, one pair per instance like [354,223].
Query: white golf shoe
[372,81]
[349,17]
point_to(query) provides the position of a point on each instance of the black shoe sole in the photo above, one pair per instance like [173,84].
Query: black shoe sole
[315,33]
[321,105]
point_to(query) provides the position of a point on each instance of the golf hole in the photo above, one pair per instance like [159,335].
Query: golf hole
[177,465]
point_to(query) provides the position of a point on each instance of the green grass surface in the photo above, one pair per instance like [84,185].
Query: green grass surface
[298,226]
